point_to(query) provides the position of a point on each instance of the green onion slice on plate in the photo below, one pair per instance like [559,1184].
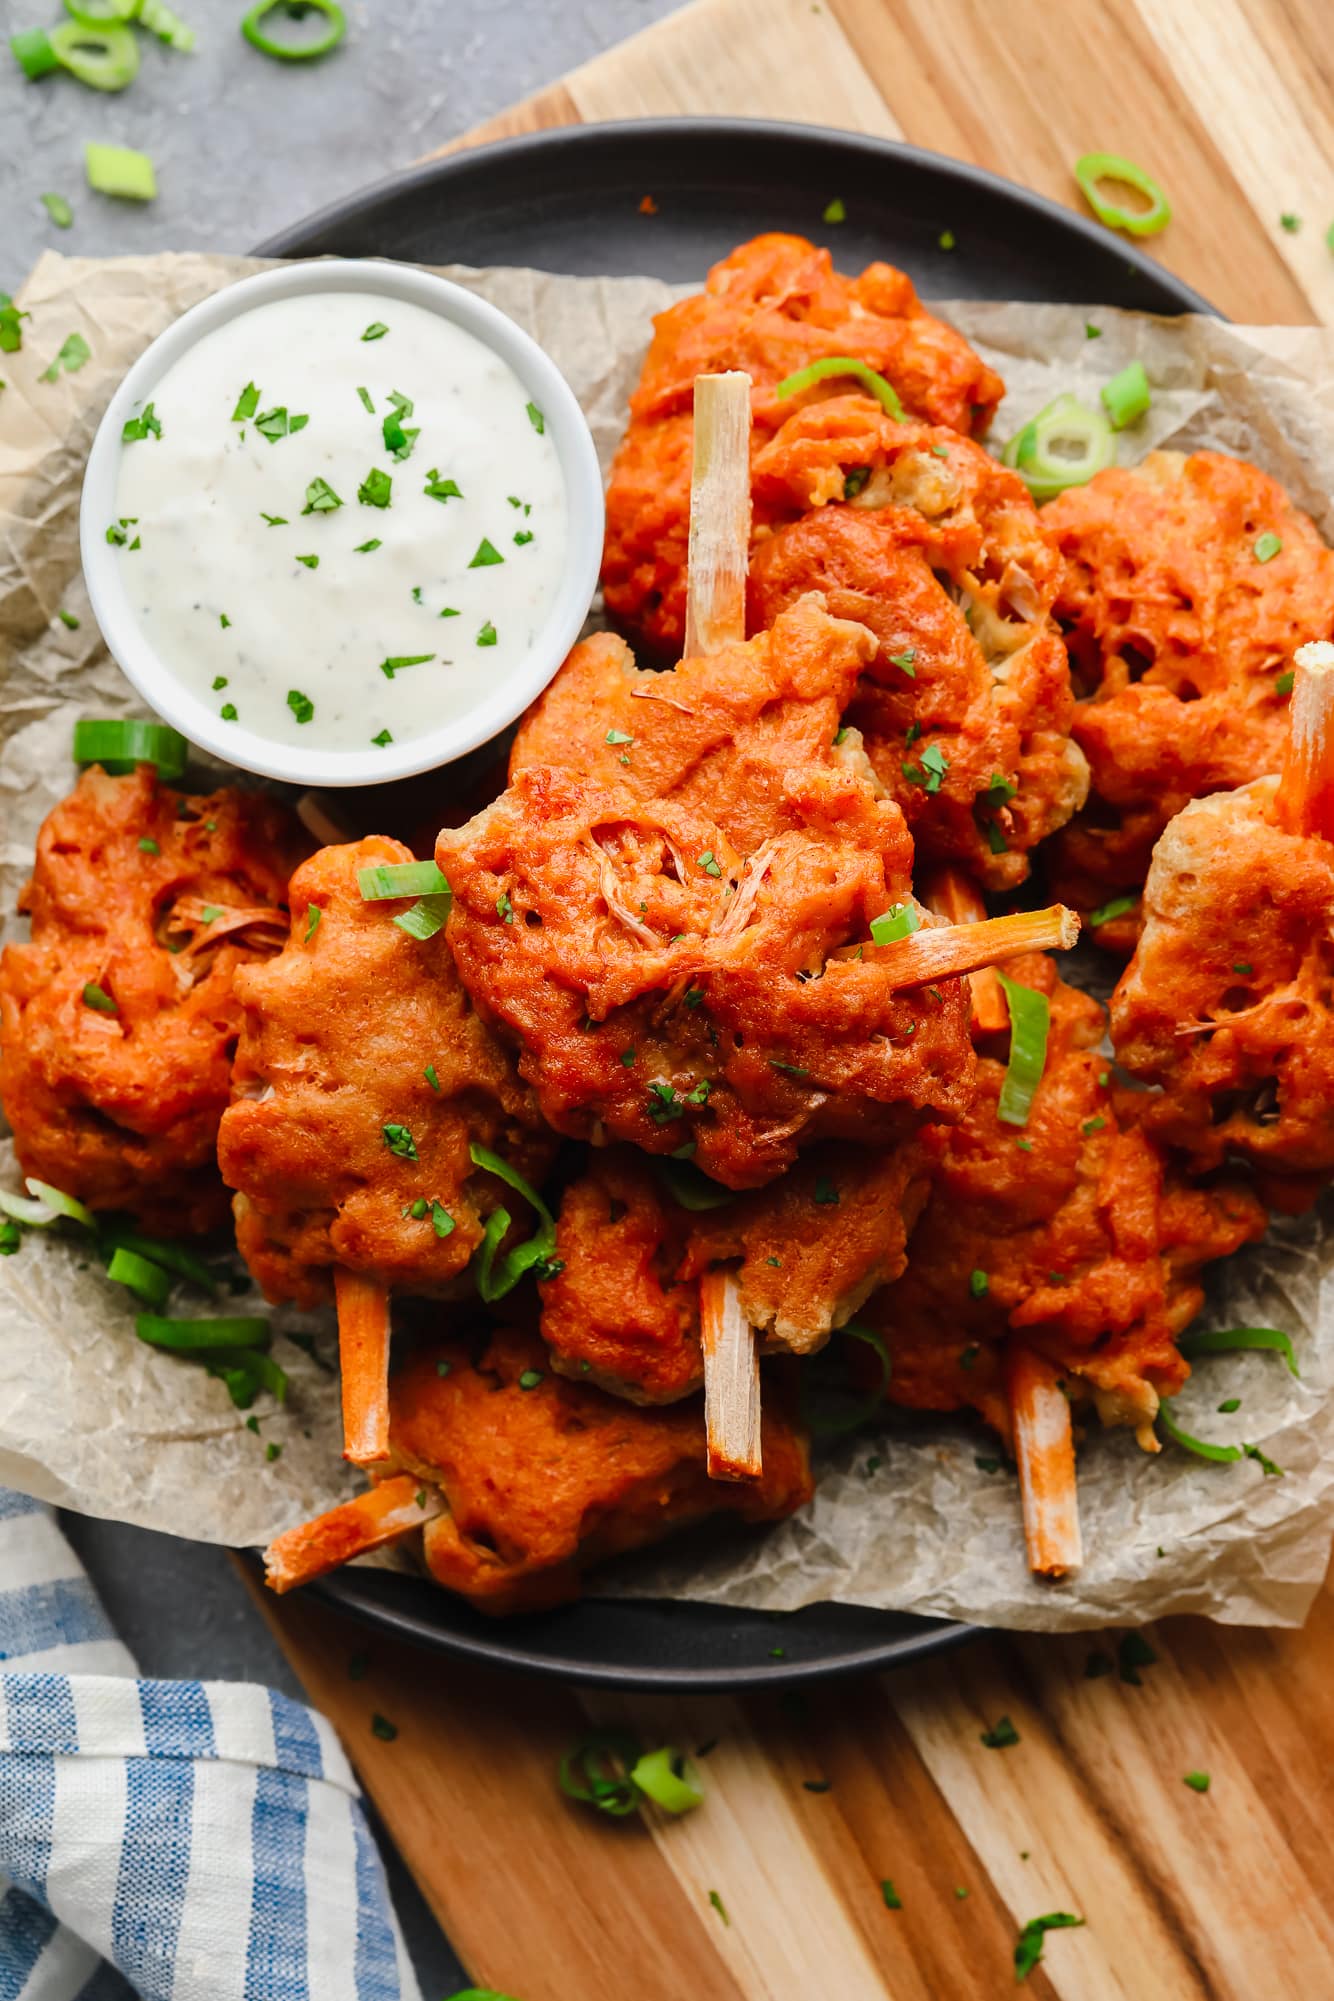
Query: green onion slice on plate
[201,1337]
[668,1779]
[587,1772]
[119,744]
[103,58]
[1127,396]
[1093,168]
[148,1281]
[119,171]
[1030,1021]
[493,1281]
[295,52]
[1223,1341]
[842,1413]
[844,364]
[1064,445]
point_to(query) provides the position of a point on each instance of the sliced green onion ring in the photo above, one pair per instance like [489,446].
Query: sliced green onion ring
[62,1204]
[32,51]
[689,1186]
[1230,1341]
[148,1281]
[493,1283]
[391,879]
[103,58]
[101,13]
[1094,167]
[1127,397]
[1063,446]
[246,1371]
[33,1215]
[119,744]
[1222,1455]
[833,1423]
[668,1779]
[844,364]
[583,1775]
[428,915]
[295,52]
[172,1257]
[202,1337]
[899,921]
[159,20]
[1030,1021]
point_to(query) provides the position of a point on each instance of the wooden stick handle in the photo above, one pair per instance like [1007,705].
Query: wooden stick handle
[1306,787]
[955,896]
[363,1352]
[1044,1450]
[731,1380]
[368,1521]
[942,951]
[719,514]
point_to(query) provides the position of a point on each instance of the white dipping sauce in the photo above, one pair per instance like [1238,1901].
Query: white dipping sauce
[221,593]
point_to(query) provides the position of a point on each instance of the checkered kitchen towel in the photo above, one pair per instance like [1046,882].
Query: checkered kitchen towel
[176,1840]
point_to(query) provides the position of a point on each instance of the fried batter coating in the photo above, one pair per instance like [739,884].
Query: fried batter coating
[941,552]
[1181,634]
[361,1079]
[1227,1002]
[633,1238]
[663,938]
[772,307]
[1077,1232]
[545,1480]
[156,898]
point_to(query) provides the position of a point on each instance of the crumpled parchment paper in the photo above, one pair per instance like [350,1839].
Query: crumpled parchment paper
[904,1518]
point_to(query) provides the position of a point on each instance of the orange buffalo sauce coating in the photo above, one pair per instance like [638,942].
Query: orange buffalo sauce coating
[1226,1004]
[159,898]
[678,944]
[772,307]
[1084,1237]
[807,1250]
[1180,635]
[540,1477]
[940,551]
[339,1031]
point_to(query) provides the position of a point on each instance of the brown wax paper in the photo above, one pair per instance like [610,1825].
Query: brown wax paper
[905,1517]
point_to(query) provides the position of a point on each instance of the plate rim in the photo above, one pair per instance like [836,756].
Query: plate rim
[497,1650]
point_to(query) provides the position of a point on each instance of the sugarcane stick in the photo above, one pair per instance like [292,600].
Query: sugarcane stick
[363,1354]
[716,618]
[955,896]
[369,1521]
[944,951]
[1044,1451]
[1306,787]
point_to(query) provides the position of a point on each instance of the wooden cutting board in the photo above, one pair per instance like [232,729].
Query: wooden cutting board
[813,1804]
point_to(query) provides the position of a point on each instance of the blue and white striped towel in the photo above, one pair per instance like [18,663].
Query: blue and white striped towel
[176,1840]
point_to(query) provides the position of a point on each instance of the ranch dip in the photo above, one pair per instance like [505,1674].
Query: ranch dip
[340,520]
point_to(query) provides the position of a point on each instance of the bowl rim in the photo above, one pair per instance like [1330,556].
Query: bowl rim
[151,676]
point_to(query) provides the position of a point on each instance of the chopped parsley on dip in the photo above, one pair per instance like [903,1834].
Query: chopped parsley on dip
[307,508]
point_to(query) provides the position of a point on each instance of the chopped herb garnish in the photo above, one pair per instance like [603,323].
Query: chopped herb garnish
[946,239]
[443,1368]
[59,210]
[313,915]
[1284,683]
[1267,547]
[1197,1781]
[504,908]
[68,619]
[301,705]
[1097,1665]
[276,423]
[825,1191]
[1001,1736]
[74,351]
[384,737]
[524,536]
[930,772]
[309,562]
[1287,221]
[487,635]
[487,554]
[320,498]
[1133,1652]
[899,921]
[210,913]
[364,548]
[223,620]
[978,1284]
[246,404]
[228,712]
[375,331]
[1120,906]
[98,999]
[146,425]
[1028,1950]
[272,1451]
[986,1464]
[1091,1126]
[1244,967]
[834,211]
[391,665]
[219,683]
[376,488]
[367,405]
[1228,1405]
[398,442]
[381,1727]
[148,846]
[274,520]
[892,1900]
[530,1379]
[791,1069]
[709,863]
[536,419]
[400,1142]
[437,488]
[1091,332]
[905,660]
[617,737]
[450,611]
[441,1220]
[1030,1021]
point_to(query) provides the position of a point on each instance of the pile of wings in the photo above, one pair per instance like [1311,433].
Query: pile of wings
[731,1025]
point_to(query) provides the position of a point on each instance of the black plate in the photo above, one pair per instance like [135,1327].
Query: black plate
[569,200]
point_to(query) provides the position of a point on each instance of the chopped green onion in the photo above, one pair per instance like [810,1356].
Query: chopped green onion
[168,27]
[1289,223]
[586,1772]
[979,1284]
[148,1280]
[59,210]
[1197,1781]
[118,745]
[1094,167]
[843,364]
[172,1257]
[844,1413]
[1119,906]
[32,51]
[689,1186]
[105,58]
[120,171]
[320,498]
[302,52]
[393,879]
[1001,1736]
[535,1255]
[60,1203]
[313,916]
[1063,446]
[530,1379]
[98,999]
[890,1896]
[668,1780]
[1028,1950]
[1232,1340]
[1268,546]
[47,1206]
[834,211]
[1221,1455]
[246,1372]
[428,915]
[1030,1020]
[1127,396]
[899,921]
[199,1337]
[1284,683]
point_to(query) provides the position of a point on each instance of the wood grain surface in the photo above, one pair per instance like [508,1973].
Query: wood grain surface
[814,1802]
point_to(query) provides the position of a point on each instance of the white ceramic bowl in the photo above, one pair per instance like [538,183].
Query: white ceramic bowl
[230,742]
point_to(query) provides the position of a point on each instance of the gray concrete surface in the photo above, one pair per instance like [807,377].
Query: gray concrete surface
[243,146]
